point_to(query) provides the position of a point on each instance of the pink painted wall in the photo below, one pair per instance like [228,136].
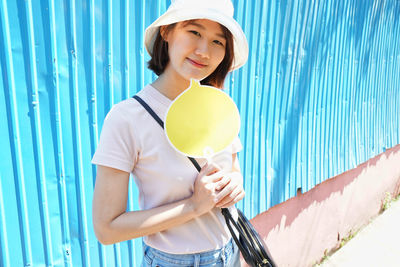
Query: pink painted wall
[299,230]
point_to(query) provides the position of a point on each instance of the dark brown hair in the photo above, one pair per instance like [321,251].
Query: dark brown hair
[160,57]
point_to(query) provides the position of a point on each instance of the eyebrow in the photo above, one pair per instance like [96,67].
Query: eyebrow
[203,28]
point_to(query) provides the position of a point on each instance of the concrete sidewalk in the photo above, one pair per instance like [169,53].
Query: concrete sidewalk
[376,245]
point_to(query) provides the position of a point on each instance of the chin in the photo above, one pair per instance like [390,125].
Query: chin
[196,77]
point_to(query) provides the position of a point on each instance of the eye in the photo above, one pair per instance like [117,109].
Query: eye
[218,42]
[195,33]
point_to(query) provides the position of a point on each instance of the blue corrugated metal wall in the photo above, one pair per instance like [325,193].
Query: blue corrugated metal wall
[319,95]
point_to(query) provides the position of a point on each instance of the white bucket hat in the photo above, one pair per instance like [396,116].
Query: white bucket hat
[220,11]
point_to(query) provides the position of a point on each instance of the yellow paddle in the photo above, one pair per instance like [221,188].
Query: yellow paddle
[202,121]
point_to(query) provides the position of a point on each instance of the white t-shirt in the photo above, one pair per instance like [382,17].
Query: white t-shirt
[132,141]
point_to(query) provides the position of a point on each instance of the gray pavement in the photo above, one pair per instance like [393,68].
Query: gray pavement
[376,245]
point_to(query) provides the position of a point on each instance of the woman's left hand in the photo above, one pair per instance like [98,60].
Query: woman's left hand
[230,189]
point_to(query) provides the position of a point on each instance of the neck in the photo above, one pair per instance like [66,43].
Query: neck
[170,85]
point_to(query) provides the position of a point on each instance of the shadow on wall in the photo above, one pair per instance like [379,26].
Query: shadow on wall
[317,43]
[308,225]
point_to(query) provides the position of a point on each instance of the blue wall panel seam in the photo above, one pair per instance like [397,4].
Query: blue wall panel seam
[73,55]
[19,178]
[59,137]
[4,249]
[38,142]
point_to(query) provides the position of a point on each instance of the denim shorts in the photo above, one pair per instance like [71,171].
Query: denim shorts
[228,256]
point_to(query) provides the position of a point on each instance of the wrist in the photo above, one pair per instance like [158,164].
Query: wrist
[192,207]
[195,207]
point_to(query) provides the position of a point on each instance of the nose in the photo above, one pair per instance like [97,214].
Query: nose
[203,49]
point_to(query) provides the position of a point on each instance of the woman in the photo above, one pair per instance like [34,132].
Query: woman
[180,216]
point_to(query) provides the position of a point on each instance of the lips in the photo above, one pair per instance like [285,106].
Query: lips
[197,63]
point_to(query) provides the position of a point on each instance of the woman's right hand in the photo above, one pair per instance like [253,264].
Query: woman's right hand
[206,187]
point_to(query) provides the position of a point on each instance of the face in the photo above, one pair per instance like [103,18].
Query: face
[196,48]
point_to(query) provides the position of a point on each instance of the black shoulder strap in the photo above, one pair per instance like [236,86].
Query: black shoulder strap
[161,123]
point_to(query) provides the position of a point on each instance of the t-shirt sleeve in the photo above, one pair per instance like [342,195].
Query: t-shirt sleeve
[236,145]
[116,148]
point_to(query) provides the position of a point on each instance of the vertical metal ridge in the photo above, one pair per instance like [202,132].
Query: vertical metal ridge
[272,98]
[384,78]
[351,115]
[286,105]
[38,143]
[317,93]
[396,69]
[334,91]
[79,179]
[261,149]
[110,66]
[59,140]
[125,67]
[4,250]
[387,116]
[301,101]
[251,109]
[93,83]
[378,115]
[369,87]
[292,50]
[311,95]
[342,142]
[332,77]
[279,182]
[356,94]
[392,111]
[372,116]
[265,101]
[93,108]
[347,98]
[117,254]
[297,59]
[309,103]
[15,138]
[324,73]
[244,110]
[251,138]
[292,87]
[257,155]
[142,47]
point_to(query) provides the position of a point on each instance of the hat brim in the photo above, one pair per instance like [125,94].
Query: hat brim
[240,47]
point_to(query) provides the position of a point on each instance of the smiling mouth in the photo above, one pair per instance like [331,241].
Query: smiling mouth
[196,64]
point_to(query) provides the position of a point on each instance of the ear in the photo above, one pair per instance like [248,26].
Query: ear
[164,33]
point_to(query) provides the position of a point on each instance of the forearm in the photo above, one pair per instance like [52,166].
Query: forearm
[134,224]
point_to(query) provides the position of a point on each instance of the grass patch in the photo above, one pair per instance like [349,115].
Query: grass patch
[386,203]
[388,200]
[342,242]
[347,238]
[324,258]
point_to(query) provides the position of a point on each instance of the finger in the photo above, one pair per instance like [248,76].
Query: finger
[209,169]
[228,198]
[217,176]
[222,183]
[225,203]
[232,194]
[204,169]
[226,191]
[214,165]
